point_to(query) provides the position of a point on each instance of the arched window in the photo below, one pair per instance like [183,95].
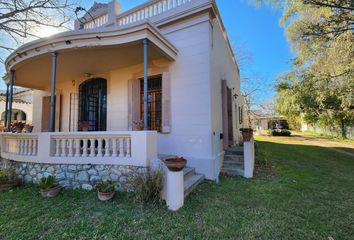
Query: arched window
[17,115]
[93,105]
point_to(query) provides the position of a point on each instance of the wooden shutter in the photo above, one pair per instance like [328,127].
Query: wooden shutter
[46,113]
[166,103]
[225,125]
[134,103]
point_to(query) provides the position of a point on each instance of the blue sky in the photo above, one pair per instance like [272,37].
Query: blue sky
[256,30]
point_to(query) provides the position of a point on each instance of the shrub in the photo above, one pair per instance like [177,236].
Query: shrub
[147,187]
[7,174]
[283,132]
[47,183]
[106,187]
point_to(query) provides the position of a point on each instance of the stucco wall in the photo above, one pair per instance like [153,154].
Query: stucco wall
[25,107]
[222,68]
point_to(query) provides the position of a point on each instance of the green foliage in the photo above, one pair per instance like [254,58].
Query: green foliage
[320,88]
[147,187]
[47,183]
[282,132]
[7,174]
[106,187]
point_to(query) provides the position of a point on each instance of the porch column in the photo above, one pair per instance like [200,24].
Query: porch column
[9,114]
[52,96]
[6,105]
[146,44]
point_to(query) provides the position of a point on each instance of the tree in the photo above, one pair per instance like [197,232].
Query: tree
[320,87]
[22,19]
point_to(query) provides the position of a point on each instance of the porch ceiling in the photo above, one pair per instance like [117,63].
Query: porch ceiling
[87,51]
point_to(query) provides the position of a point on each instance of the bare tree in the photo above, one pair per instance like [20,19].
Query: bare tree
[22,19]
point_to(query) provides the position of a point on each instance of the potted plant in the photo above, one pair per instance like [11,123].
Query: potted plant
[84,126]
[8,178]
[48,186]
[247,134]
[19,126]
[105,190]
[28,128]
[138,125]
[175,164]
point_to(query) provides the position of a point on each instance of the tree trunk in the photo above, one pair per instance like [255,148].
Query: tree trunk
[343,129]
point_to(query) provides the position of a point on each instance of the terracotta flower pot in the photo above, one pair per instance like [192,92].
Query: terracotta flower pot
[175,165]
[105,196]
[247,134]
[52,192]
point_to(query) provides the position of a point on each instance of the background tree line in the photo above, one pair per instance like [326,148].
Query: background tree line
[320,87]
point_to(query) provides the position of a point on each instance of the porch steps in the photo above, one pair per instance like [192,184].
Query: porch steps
[233,161]
[191,180]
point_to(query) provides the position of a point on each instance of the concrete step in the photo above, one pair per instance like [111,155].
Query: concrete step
[191,182]
[233,165]
[188,172]
[238,150]
[233,171]
[233,158]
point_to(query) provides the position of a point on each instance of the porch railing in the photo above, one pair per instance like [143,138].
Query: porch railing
[148,10]
[135,148]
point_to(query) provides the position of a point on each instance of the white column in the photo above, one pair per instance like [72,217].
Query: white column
[63,148]
[99,147]
[128,147]
[71,148]
[106,148]
[114,147]
[92,147]
[174,190]
[34,146]
[77,148]
[121,147]
[84,148]
[248,151]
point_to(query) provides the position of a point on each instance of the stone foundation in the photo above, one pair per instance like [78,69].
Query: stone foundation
[77,176]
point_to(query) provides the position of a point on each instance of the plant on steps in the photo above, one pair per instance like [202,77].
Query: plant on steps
[148,186]
[105,190]
[48,186]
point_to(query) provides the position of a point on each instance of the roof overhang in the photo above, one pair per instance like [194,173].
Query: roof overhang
[109,47]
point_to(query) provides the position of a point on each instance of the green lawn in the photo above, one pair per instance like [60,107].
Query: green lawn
[311,196]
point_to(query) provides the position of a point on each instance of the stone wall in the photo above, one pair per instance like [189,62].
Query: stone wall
[77,176]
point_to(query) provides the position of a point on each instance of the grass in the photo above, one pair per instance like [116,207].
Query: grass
[310,196]
[331,137]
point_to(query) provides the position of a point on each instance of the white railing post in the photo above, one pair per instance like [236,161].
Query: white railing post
[248,149]
[92,147]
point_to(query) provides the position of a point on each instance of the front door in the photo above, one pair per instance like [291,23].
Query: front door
[93,105]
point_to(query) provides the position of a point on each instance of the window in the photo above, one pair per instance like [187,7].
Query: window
[154,102]
[240,114]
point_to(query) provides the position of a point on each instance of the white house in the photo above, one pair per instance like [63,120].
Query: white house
[22,107]
[90,100]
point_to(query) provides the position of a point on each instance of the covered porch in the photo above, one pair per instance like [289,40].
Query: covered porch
[93,88]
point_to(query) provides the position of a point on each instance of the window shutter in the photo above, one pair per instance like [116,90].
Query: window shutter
[166,103]
[224,114]
[58,112]
[46,113]
[134,103]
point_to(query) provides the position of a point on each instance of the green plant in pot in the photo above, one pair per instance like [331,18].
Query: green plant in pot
[8,178]
[175,164]
[49,187]
[105,190]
